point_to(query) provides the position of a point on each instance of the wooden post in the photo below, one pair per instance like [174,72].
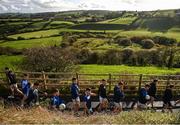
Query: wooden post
[140,81]
[168,81]
[77,76]
[44,79]
[110,82]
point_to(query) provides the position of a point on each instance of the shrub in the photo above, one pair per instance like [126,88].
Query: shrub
[147,43]
[84,56]
[128,56]
[9,51]
[20,38]
[50,59]
[113,57]
[138,39]
[164,40]
[124,41]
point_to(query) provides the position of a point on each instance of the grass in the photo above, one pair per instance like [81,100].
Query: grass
[96,69]
[37,34]
[10,61]
[20,44]
[143,32]
[43,116]
[99,26]
[127,20]
[13,61]
[61,22]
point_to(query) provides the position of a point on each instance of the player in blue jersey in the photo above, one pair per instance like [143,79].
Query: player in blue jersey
[75,95]
[25,88]
[87,101]
[56,101]
[143,97]
[118,96]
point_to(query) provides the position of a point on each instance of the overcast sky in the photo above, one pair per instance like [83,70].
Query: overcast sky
[33,6]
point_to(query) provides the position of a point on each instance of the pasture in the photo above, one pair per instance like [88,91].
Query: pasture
[20,44]
[36,34]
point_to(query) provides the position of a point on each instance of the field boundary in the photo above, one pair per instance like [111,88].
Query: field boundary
[133,82]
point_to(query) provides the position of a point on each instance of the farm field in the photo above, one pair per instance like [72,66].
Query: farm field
[10,61]
[100,69]
[37,34]
[20,44]
[14,61]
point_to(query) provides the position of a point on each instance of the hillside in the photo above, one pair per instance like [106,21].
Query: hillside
[99,31]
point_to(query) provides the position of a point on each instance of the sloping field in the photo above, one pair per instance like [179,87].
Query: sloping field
[96,26]
[37,34]
[127,20]
[20,44]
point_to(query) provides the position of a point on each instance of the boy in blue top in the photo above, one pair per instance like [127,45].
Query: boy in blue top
[118,96]
[143,97]
[102,96]
[75,95]
[56,101]
[167,98]
[87,101]
[25,88]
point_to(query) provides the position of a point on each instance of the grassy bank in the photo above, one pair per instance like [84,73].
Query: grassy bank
[42,116]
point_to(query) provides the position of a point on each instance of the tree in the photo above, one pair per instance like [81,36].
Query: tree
[147,43]
[50,59]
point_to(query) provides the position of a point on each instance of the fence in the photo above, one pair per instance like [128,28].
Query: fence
[62,81]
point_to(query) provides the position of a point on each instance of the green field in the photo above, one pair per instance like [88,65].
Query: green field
[13,61]
[20,44]
[10,61]
[141,32]
[37,34]
[127,20]
[96,69]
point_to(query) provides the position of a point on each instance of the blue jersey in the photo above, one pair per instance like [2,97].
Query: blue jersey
[142,95]
[74,91]
[25,86]
[56,101]
[87,99]
[118,94]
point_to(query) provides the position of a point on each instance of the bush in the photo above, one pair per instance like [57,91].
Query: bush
[164,40]
[147,43]
[114,57]
[138,39]
[9,51]
[50,59]
[124,41]
[20,38]
[84,56]
[128,56]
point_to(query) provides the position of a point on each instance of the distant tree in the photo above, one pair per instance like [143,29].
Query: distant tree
[124,41]
[147,43]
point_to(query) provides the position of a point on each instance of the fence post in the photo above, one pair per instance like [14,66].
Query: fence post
[77,76]
[140,81]
[168,81]
[44,79]
[110,82]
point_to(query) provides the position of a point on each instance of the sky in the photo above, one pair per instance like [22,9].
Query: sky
[35,6]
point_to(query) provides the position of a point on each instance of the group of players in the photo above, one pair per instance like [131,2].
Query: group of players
[30,94]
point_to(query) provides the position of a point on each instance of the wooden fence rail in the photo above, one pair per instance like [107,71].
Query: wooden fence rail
[50,79]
